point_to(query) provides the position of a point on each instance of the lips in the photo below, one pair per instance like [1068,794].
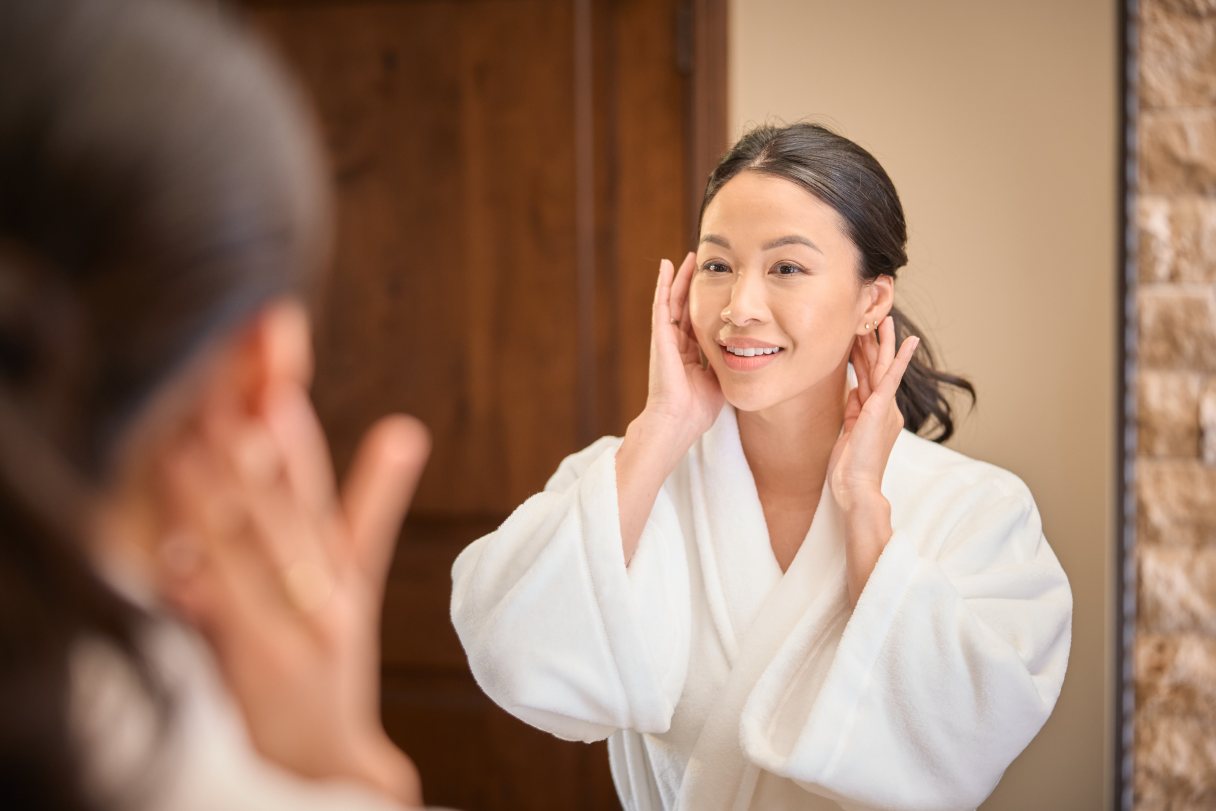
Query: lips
[748,354]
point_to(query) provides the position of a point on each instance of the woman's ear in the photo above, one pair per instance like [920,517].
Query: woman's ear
[879,296]
[283,344]
[272,350]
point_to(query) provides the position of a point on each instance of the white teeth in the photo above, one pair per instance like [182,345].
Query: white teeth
[750,352]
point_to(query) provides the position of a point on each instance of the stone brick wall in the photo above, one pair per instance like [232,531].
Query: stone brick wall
[1175,654]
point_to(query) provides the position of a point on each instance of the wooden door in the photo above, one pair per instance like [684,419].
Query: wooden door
[509,173]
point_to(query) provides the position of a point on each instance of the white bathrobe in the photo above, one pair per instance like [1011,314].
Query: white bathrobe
[722,683]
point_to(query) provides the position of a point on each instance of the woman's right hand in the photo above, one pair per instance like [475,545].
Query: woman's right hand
[286,576]
[683,401]
[683,396]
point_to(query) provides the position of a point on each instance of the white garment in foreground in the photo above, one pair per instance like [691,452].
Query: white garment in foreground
[724,684]
[204,761]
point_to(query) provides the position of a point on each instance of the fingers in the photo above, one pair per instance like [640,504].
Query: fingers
[672,337]
[230,580]
[298,438]
[889,384]
[886,348]
[273,471]
[861,367]
[869,346]
[679,290]
[662,296]
[379,488]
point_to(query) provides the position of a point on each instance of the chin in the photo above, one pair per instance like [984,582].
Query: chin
[749,398]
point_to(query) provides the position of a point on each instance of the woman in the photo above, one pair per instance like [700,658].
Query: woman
[769,594]
[162,213]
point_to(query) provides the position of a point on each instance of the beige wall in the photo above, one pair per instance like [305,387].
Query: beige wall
[998,123]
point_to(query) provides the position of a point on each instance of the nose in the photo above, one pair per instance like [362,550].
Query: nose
[747,302]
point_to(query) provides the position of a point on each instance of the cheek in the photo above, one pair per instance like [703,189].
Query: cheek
[821,317]
[703,310]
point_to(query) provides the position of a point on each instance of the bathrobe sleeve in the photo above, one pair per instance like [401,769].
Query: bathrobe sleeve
[557,630]
[949,665]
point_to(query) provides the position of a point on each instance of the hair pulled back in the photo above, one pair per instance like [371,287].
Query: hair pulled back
[848,178]
[159,182]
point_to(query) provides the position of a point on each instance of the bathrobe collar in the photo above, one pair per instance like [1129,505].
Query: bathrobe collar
[754,607]
[739,569]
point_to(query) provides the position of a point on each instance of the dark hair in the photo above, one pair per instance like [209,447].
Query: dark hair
[849,179]
[159,182]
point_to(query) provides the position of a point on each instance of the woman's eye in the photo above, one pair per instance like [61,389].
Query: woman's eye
[715,267]
[786,269]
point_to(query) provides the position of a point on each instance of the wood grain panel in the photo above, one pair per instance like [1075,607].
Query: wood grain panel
[649,130]
[474,756]
[453,293]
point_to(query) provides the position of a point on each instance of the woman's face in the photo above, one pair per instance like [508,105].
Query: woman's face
[776,299]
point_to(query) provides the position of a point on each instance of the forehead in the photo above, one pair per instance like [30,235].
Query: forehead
[756,204]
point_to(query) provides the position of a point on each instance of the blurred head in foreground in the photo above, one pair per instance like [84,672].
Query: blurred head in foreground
[161,213]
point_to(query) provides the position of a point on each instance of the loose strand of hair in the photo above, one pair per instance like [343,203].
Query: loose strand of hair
[922,395]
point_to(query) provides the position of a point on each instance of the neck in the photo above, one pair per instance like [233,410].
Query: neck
[788,445]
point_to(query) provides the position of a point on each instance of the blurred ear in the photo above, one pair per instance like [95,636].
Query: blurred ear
[279,343]
[879,297]
[272,350]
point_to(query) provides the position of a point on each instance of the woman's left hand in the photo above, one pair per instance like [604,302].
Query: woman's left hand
[872,422]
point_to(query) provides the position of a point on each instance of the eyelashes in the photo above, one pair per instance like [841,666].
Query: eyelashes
[782,269]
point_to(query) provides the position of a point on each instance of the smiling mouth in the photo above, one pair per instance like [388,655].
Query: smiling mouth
[751,352]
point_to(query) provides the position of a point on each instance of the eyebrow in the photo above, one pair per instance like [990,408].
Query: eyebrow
[792,239]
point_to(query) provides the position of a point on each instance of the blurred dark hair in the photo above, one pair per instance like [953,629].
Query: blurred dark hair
[849,179]
[159,183]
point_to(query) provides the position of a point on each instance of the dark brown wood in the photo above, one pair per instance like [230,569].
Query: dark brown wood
[508,175]
[708,132]
[647,101]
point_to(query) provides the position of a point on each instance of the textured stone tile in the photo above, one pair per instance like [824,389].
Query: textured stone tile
[1177,329]
[1176,674]
[1177,587]
[1195,8]
[1176,238]
[1176,503]
[1168,414]
[1177,58]
[1175,762]
[1178,152]
[1155,257]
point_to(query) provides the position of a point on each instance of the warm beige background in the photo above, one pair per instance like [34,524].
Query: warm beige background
[998,123]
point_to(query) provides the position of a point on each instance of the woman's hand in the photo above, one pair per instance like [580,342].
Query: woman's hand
[872,422]
[682,403]
[285,579]
[682,394]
